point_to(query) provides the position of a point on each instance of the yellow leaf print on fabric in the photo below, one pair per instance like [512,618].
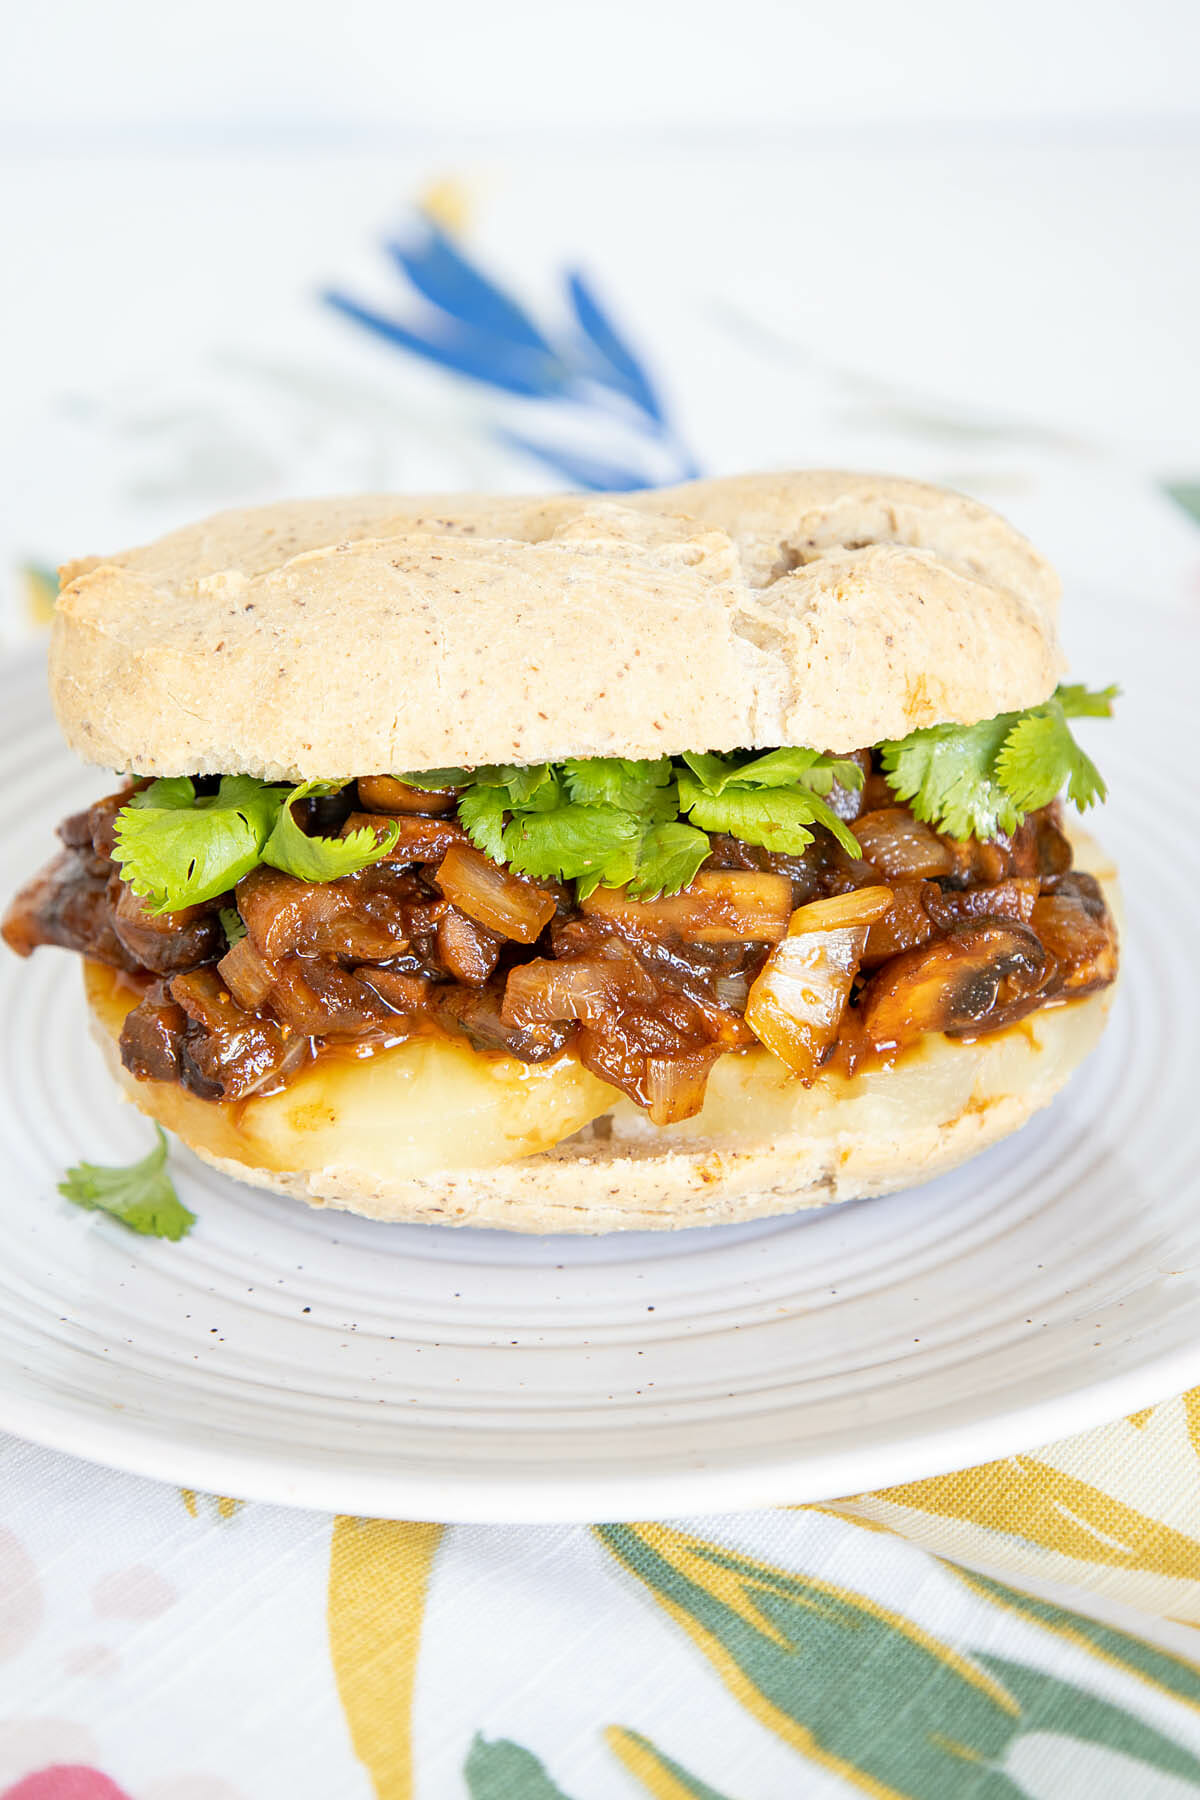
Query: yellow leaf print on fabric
[1191,1412]
[225,1504]
[1026,1498]
[378,1580]
[662,1778]
[1163,1670]
[41,591]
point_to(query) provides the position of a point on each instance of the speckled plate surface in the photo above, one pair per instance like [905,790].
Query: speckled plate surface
[318,1359]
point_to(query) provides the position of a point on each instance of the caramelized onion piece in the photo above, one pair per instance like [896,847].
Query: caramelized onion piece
[797,1002]
[247,973]
[321,999]
[955,984]
[906,926]
[467,950]
[496,897]
[419,840]
[1082,939]
[359,916]
[476,1013]
[384,794]
[722,906]
[572,988]
[674,1085]
[901,847]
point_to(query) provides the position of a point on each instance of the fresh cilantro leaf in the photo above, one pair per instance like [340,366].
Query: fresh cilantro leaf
[568,842]
[797,767]
[1040,758]
[668,859]
[231,925]
[175,850]
[141,1195]
[713,773]
[777,818]
[522,785]
[322,858]
[1080,702]
[946,773]
[436,781]
[174,792]
[481,813]
[980,780]
[619,781]
[800,768]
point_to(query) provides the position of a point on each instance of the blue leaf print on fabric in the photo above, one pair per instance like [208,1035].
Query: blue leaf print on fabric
[439,270]
[513,368]
[617,365]
[473,328]
[582,471]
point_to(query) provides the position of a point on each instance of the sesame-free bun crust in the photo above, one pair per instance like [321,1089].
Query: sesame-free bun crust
[326,638]
[370,1137]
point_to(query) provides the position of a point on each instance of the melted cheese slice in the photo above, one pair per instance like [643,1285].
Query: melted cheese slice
[429,1103]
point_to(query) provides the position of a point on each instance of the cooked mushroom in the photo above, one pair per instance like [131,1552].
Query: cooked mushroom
[954,985]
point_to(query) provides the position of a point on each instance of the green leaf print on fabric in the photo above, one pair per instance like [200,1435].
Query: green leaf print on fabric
[498,1769]
[1185,494]
[1172,1675]
[862,1690]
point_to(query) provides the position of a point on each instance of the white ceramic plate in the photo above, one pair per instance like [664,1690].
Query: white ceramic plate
[419,1372]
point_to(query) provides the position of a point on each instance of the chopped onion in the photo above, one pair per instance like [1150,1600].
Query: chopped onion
[796,1003]
[901,847]
[541,991]
[467,949]
[862,906]
[674,1085]
[722,906]
[247,974]
[494,896]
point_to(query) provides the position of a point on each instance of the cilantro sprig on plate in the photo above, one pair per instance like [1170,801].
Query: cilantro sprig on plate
[140,1194]
[643,824]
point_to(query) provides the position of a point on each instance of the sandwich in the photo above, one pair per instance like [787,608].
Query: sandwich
[577,863]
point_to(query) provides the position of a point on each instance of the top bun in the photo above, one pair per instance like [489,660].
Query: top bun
[320,639]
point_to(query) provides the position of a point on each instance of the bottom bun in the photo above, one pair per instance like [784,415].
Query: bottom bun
[430,1131]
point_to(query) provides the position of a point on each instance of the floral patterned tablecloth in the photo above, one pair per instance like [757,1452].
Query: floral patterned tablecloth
[1026,1628]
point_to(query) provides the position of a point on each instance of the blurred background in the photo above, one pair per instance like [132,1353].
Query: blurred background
[262,248]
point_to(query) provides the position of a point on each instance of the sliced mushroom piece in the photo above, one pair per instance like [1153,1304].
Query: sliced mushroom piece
[1013,899]
[384,794]
[960,984]
[722,906]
